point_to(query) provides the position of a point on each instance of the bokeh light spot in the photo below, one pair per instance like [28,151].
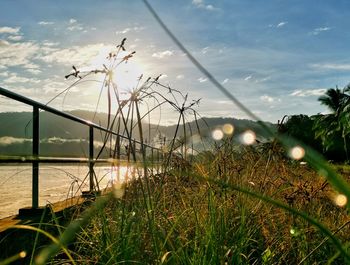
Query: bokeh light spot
[297,152]
[248,137]
[217,134]
[228,129]
[340,200]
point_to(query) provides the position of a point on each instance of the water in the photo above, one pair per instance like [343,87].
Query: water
[56,183]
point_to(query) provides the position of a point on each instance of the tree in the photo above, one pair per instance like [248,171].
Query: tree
[335,125]
[301,127]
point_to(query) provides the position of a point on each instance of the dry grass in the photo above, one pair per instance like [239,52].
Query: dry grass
[187,219]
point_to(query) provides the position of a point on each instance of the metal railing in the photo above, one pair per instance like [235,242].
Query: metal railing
[35,159]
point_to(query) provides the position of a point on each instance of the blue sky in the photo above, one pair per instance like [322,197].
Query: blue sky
[276,56]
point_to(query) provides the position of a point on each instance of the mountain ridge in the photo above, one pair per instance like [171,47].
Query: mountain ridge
[61,135]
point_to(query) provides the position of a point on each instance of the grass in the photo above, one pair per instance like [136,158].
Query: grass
[187,217]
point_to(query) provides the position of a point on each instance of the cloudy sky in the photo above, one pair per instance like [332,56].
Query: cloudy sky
[276,56]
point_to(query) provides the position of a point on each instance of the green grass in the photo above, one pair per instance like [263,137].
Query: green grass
[253,214]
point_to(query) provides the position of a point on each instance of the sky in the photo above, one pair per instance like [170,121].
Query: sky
[275,56]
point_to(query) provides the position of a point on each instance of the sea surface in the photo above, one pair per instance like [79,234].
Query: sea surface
[56,183]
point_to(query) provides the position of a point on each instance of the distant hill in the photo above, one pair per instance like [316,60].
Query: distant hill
[60,136]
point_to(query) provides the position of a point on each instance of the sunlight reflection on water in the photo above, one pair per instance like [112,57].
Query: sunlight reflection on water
[56,183]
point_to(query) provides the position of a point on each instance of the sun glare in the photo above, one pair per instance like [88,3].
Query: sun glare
[124,74]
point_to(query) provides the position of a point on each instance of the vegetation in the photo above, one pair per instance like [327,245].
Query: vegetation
[327,133]
[256,204]
[198,216]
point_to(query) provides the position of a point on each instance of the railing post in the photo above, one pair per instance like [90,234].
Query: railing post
[152,159]
[134,153]
[35,153]
[118,147]
[158,161]
[91,157]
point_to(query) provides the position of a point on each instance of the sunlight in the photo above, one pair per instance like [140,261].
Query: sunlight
[125,74]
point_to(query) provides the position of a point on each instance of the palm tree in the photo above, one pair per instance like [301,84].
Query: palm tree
[328,127]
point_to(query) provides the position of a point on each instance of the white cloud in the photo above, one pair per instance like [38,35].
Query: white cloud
[281,24]
[202,5]
[76,27]
[268,99]
[278,25]
[4,74]
[34,71]
[261,80]
[53,86]
[309,92]
[76,55]
[180,76]
[225,81]
[265,79]
[31,66]
[9,30]
[248,77]
[126,30]
[331,66]
[163,54]
[163,76]
[15,37]
[205,50]
[50,44]
[202,79]
[17,54]
[319,30]
[45,23]
[13,79]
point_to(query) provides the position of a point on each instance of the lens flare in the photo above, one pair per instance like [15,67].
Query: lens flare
[297,152]
[341,200]
[228,129]
[248,137]
[217,134]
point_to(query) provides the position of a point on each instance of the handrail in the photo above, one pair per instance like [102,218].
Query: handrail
[35,159]
[33,103]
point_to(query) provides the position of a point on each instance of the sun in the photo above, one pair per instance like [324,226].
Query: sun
[125,74]
[114,72]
